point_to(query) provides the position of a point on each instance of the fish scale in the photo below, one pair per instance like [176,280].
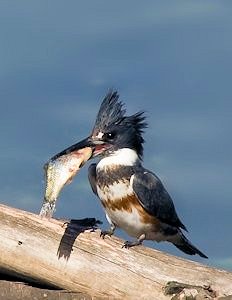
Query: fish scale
[60,171]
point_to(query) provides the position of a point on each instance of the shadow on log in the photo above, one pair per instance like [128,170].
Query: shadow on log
[75,259]
[20,291]
[72,229]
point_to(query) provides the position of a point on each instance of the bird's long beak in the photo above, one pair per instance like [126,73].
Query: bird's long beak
[87,142]
[98,147]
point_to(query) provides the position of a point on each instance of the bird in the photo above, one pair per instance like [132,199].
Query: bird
[134,199]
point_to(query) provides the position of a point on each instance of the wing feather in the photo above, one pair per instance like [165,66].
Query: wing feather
[154,198]
[92,178]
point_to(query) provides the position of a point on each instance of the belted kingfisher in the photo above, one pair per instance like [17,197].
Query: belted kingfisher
[134,198]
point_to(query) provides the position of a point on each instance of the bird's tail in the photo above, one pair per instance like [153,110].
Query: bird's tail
[187,247]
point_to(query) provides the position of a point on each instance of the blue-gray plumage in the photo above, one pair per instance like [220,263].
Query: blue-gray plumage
[154,198]
[134,199]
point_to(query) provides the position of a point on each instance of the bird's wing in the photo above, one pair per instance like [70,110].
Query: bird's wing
[154,198]
[92,177]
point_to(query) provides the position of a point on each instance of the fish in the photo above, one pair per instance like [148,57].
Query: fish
[59,171]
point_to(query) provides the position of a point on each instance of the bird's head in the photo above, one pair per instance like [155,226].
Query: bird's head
[113,130]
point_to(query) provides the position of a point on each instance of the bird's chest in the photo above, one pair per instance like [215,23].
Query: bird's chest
[113,184]
[120,203]
[114,192]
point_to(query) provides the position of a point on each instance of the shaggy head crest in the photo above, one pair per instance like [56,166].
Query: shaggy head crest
[111,112]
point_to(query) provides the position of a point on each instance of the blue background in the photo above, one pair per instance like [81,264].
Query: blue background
[169,58]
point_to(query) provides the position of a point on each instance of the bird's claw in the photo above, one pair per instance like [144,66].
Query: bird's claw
[104,233]
[129,244]
[126,245]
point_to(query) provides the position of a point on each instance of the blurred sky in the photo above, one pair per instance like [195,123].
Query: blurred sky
[172,59]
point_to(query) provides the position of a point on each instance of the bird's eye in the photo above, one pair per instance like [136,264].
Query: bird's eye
[109,135]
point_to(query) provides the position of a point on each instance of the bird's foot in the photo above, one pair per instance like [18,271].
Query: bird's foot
[129,244]
[106,232]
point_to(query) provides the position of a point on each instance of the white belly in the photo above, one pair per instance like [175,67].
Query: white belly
[130,222]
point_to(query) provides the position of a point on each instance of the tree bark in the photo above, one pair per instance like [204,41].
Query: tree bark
[73,257]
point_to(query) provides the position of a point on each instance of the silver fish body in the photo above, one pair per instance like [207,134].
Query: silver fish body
[60,171]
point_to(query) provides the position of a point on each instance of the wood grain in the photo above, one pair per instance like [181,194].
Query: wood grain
[75,258]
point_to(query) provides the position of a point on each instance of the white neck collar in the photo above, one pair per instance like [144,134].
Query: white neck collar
[124,156]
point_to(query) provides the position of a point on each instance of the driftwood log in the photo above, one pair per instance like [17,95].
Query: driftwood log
[15,290]
[73,257]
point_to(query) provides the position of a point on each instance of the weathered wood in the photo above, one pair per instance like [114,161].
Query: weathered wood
[77,259]
[20,291]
